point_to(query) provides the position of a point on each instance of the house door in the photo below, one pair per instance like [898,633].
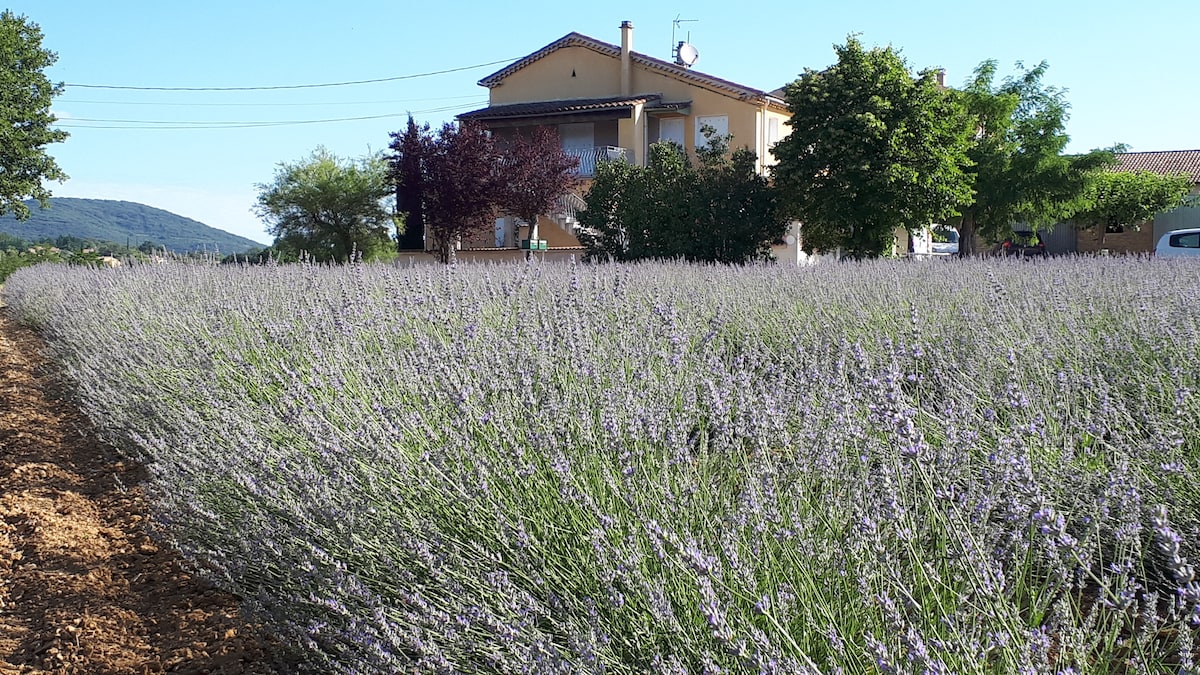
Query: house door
[671,129]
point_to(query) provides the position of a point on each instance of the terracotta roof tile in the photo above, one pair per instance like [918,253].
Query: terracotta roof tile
[671,105]
[567,106]
[569,40]
[580,40]
[1162,162]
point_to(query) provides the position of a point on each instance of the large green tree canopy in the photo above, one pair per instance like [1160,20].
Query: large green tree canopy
[872,148]
[329,208]
[25,117]
[1018,171]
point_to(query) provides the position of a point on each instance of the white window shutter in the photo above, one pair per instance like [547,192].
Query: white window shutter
[718,122]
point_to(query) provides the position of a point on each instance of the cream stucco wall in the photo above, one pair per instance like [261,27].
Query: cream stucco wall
[781,119]
[569,72]
[548,229]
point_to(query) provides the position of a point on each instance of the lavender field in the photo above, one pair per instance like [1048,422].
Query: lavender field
[947,467]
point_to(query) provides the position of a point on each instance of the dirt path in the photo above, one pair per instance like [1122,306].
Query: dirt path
[82,588]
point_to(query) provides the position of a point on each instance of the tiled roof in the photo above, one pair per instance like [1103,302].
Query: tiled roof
[1162,162]
[687,74]
[671,105]
[563,107]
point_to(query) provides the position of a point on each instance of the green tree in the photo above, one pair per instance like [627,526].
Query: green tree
[738,210]
[720,210]
[13,260]
[1114,200]
[1017,168]
[70,242]
[872,149]
[8,241]
[329,208]
[609,228]
[640,212]
[25,118]
[405,172]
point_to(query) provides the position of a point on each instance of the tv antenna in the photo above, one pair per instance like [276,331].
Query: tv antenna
[685,53]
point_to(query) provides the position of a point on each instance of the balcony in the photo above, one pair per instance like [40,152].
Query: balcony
[589,158]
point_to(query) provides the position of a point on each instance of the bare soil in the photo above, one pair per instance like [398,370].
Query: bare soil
[83,588]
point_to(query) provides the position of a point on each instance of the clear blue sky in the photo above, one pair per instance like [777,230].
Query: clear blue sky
[1129,69]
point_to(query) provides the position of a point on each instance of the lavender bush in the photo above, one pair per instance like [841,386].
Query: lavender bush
[969,467]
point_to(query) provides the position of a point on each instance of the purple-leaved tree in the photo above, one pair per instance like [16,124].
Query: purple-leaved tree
[534,173]
[459,191]
[451,185]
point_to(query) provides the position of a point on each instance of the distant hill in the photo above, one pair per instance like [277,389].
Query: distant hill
[120,222]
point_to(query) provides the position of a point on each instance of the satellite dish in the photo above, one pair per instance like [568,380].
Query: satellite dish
[686,54]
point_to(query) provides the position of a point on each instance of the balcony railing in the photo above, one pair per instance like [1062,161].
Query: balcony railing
[589,158]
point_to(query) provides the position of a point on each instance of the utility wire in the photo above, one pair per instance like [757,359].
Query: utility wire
[240,105]
[166,124]
[290,86]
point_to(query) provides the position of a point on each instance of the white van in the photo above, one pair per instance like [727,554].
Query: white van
[935,240]
[1179,244]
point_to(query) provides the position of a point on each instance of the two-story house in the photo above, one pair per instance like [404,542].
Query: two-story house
[606,102]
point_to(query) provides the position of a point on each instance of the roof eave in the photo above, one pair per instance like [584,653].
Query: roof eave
[574,39]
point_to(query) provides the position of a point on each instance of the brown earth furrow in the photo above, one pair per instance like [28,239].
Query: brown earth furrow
[83,588]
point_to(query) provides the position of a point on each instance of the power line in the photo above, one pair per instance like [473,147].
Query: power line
[94,123]
[253,105]
[290,86]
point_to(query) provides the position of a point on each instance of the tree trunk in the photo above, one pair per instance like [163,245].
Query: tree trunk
[966,236]
[442,247]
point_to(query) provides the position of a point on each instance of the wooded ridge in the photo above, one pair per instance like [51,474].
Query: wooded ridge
[122,223]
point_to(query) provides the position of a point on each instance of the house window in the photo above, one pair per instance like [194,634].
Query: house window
[772,132]
[718,122]
[579,141]
[577,136]
[671,129]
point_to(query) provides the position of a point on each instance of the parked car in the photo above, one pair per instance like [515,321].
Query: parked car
[935,240]
[1179,244]
[1024,244]
[949,241]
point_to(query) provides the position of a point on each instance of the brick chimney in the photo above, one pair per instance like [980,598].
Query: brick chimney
[626,60]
